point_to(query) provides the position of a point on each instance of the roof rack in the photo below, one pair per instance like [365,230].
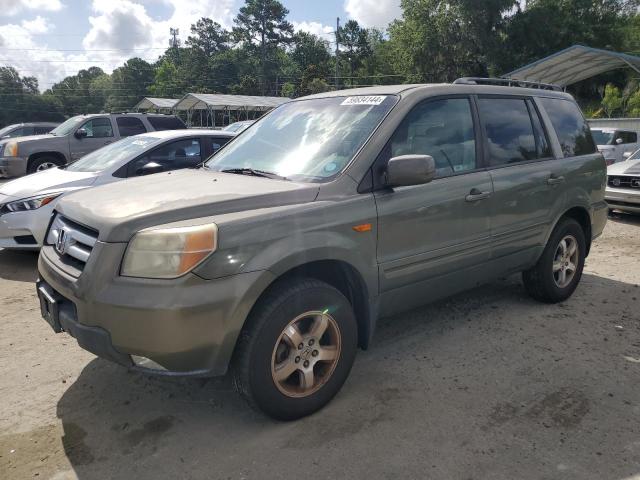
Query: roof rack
[506,82]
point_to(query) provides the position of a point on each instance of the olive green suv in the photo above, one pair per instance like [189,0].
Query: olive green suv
[275,259]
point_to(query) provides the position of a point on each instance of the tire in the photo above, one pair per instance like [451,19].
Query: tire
[545,281]
[42,163]
[264,347]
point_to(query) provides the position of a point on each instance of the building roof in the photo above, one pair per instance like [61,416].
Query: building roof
[574,64]
[202,101]
[149,103]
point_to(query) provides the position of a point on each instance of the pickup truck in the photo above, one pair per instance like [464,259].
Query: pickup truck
[75,138]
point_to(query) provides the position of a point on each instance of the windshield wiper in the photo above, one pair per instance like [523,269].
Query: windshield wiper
[254,172]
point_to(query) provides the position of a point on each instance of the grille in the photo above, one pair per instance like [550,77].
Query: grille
[618,181]
[71,241]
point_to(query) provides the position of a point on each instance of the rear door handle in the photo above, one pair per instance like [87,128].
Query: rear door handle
[476,195]
[554,180]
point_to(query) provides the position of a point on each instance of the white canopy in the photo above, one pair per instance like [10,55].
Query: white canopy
[151,103]
[574,64]
[214,101]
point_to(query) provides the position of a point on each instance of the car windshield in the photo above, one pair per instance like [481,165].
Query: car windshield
[602,137]
[113,154]
[5,131]
[67,126]
[306,140]
[237,127]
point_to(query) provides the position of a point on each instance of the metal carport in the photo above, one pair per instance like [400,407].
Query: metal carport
[230,107]
[574,64]
[156,104]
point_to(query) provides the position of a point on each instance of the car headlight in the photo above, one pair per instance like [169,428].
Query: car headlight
[30,203]
[11,149]
[169,252]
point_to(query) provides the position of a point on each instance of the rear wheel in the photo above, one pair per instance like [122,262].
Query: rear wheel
[558,271]
[297,349]
[43,163]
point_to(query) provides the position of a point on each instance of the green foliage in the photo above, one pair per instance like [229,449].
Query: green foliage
[288,90]
[633,104]
[612,102]
[208,36]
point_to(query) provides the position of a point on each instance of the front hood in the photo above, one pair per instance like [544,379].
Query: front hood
[121,209]
[27,139]
[628,167]
[48,181]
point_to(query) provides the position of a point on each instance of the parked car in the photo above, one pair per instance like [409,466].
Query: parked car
[26,203]
[277,258]
[615,144]
[238,127]
[26,129]
[76,137]
[623,185]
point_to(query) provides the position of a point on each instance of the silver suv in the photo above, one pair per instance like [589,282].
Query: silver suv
[75,138]
[278,256]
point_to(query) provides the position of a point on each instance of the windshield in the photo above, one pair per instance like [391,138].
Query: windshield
[306,140]
[67,126]
[113,154]
[602,137]
[237,127]
[5,131]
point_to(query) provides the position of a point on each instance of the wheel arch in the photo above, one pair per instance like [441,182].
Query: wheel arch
[581,215]
[58,156]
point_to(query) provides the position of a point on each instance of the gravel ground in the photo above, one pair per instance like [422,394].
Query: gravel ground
[487,384]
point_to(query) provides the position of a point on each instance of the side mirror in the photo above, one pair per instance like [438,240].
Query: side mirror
[619,141]
[80,133]
[407,170]
[150,168]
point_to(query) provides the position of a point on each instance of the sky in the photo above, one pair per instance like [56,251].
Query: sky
[51,39]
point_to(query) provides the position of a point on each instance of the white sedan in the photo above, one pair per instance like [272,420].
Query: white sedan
[26,204]
[623,185]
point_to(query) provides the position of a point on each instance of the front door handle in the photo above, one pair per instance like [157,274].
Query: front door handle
[476,195]
[555,180]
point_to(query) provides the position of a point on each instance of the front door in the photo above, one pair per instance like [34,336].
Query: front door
[430,235]
[99,132]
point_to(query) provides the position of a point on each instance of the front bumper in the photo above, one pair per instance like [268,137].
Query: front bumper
[13,166]
[188,326]
[25,230]
[623,199]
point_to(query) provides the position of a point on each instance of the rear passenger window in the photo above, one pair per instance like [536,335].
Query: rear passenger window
[128,126]
[628,137]
[442,129]
[571,127]
[510,132]
[166,123]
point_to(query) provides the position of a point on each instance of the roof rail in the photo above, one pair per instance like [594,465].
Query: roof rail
[506,82]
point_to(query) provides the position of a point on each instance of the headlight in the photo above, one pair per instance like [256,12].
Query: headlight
[169,252]
[11,149]
[30,203]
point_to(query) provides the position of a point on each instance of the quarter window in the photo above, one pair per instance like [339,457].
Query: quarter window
[628,137]
[128,126]
[509,129]
[442,129]
[98,128]
[572,129]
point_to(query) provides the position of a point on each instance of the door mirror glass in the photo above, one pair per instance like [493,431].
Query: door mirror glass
[619,141]
[407,170]
[150,168]
[80,133]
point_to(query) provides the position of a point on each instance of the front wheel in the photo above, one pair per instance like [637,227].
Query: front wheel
[42,163]
[558,271]
[297,349]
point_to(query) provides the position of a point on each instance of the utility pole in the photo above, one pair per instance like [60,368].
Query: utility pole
[337,49]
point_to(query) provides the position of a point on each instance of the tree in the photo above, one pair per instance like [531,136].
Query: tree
[130,83]
[612,101]
[288,90]
[261,25]
[633,104]
[164,83]
[208,36]
[310,50]
[356,43]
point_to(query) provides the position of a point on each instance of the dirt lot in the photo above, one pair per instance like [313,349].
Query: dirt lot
[488,384]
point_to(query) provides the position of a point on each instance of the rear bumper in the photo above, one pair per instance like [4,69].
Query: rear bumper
[13,166]
[188,326]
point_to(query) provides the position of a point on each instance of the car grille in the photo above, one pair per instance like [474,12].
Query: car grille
[619,181]
[77,241]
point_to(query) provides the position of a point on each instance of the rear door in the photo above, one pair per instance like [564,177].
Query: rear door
[440,229]
[128,126]
[527,187]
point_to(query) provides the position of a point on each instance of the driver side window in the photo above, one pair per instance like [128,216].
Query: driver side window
[98,128]
[443,129]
